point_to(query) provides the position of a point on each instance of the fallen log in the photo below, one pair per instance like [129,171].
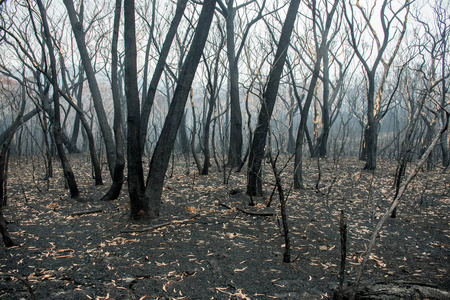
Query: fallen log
[395,290]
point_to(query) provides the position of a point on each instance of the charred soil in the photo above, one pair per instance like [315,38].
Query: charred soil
[208,243]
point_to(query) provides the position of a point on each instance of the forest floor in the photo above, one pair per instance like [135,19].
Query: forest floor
[204,246]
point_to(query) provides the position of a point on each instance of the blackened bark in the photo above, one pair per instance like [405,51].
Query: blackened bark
[235,149]
[117,180]
[323,138]
[164,146]
[67,169]
[254,181]
[138,202]
[213,84]
[80,114]
[79,34]
[3,165]
[183,137]
[298,168]
[371,130]
[76,122]
[151,93]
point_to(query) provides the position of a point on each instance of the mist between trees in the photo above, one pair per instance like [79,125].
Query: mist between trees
[135,82]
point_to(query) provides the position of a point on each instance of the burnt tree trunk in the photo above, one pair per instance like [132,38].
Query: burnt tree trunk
[3,165]
[254,180]
[67,169]
[151,93]
[117,180]
[164,146]
[138,203]
[79,34]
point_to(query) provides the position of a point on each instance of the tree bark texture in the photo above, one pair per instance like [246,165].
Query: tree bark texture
[254,180]
[3,165]
[79,34]
[67,169]
[298,168]
[164,146]
[117,180]
[235,149]
[138,203]
[151,93]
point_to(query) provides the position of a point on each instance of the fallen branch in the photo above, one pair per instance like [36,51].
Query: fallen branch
[400,290]
[394,204]
[86,212]
[253,212]
[250,211]
[225,205]
[21,279]
[146,229]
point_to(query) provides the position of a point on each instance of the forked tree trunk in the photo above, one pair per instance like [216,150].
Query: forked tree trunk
[67,169]
[138,203]
[79,34]
[302,130]
[164,146]
[3,164]
[117,180]
[151,93]
[235,149]
[254,180]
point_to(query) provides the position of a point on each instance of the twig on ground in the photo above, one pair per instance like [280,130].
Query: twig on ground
[146,229]
[21,279]
[86,212]
[254,212]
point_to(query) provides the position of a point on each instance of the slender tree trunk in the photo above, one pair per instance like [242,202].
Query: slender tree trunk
[444,137]
[371,130]
[136,188]
[235,149]
[211,107]
[76,122]
[80,114]
[254,180]
[3,168]
[67,169]
[117,180]
[3,227]
[151,93]
[182,134]
[164,146]
[79,34]
[302,130]
[323,138]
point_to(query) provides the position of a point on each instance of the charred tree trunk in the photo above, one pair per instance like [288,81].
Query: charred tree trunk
[302,130]
[323,138]
[79,97]
[235,149]
[254,180]
[371,130]
[79,34]
[117,180]
[151,93]
[67,169]
[164,146]
[3,165]
[136,188]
